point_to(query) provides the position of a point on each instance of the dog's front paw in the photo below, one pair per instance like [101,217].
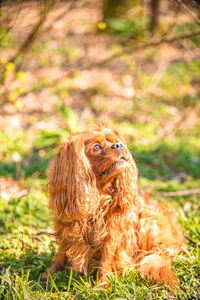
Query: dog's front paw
[54,269]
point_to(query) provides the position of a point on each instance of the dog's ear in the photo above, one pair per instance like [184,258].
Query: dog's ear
[71,182]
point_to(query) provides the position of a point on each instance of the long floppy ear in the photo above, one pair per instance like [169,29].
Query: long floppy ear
[71,182]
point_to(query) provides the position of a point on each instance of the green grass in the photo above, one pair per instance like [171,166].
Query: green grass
[24,254]
[166,162]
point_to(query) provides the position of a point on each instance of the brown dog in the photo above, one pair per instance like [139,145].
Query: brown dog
[100,219]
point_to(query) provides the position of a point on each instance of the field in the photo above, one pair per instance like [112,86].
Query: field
[71,74]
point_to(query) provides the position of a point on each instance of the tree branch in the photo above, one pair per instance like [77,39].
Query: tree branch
[144,46]
[33,35]
[173,39]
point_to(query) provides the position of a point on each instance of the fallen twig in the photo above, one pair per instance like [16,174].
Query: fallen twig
[45,231]
[192,241]
[181,193]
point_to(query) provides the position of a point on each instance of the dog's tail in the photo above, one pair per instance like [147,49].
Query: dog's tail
[158,268]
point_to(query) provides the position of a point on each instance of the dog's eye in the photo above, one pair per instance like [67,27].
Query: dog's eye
[97,148]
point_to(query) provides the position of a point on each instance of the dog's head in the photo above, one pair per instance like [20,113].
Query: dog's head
[108,155]
[85,168]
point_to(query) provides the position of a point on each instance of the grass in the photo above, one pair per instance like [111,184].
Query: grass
[25,254]
[160,122]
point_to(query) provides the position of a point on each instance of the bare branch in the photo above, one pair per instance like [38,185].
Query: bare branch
[144,46]
[33,35]
[171,40]
[189,12]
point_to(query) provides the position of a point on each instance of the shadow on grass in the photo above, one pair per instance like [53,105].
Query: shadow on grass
[33,265]
[29,260]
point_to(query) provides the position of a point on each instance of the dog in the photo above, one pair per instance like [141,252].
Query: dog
[100,219]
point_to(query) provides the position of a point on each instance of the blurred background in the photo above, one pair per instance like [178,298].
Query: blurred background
[67,65]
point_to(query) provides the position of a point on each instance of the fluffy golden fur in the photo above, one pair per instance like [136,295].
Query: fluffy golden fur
[100,218]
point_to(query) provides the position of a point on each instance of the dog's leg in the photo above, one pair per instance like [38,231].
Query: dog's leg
[107,259]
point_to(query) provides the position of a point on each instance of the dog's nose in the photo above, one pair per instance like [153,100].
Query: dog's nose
[118,146]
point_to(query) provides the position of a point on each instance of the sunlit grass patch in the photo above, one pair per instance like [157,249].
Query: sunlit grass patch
[71,78]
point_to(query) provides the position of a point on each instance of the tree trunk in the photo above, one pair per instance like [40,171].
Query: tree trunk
[110,8]
[154,15]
